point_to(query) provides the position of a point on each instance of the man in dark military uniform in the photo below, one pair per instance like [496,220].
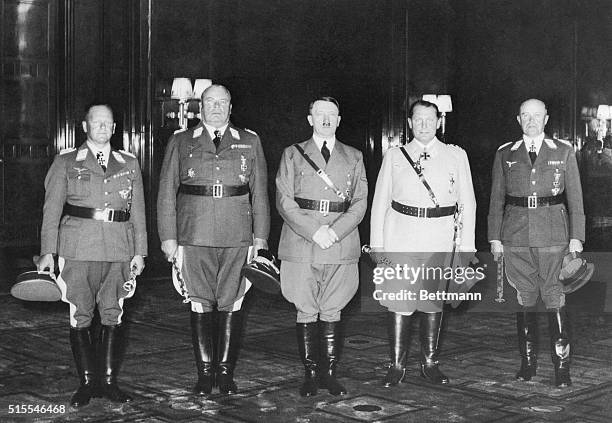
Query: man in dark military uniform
[535,216]
[213,205]
[319,243]
[595,161]
[94,220]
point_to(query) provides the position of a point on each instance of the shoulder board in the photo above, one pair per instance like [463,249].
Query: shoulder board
[564,142]
[67,150]
[127,153]
[178,131]
[504,145]
[251,131]
[455,147]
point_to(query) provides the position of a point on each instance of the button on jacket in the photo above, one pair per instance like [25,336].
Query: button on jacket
[554,172]
[191,159]
[296,178]
[76,178]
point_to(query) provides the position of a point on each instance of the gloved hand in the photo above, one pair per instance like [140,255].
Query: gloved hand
[497,249]
[575,246]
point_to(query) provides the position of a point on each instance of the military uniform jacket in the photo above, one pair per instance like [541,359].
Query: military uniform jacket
[447,171]
[76,178]
[296,178]
[191,158]
[554,172]
[596,176]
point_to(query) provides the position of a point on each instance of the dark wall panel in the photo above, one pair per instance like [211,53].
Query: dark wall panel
[27,90]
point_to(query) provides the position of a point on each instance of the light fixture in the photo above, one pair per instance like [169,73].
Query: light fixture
[432,98]
[186,95]
[444,103]
[603,112]
[182,90]
[199,86]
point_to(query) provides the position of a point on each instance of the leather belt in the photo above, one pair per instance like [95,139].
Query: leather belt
[423,211]
[323,206]
[533,201]
[104,215]
[215,191]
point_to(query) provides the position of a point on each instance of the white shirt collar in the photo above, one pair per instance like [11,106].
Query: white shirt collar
[319,141]
[211,129]
[537,141]
[105,150]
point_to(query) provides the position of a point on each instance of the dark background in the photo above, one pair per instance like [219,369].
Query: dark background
[374,56]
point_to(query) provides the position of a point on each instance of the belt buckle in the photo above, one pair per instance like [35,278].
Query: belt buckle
[110,215]
[217,191]
[421,212]
[324,207]
[532,202]
[105,215]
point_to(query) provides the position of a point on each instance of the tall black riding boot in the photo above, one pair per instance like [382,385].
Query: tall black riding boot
[430,335]
[230,325]
[527,329]
[111,346]
[398,327]
[332,343]
[308,347]
[84,357]
[560,346]
[202,339]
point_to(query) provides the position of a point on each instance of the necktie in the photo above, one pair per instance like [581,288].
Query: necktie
[100,157]
[325,151]
[532,153]
[217,139]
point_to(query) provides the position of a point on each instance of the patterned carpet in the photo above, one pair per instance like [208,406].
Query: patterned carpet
[478,354]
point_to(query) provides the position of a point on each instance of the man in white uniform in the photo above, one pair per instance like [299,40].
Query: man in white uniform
[409,217]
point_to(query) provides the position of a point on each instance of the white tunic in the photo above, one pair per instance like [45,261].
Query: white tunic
[447,171]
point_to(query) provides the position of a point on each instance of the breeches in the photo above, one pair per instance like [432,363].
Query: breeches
[534,271]
[319,290]
[87,283]
[212,276]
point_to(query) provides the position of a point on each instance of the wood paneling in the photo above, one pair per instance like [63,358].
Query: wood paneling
[27,127]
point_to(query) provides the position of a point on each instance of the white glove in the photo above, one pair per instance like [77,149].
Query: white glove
[575,246]
[497,249]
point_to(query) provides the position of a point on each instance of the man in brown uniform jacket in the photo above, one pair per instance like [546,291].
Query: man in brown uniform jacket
[94,220]
[530,224]
[207,220]
[319,243]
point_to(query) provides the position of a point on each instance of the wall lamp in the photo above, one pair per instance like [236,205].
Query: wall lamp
[188,97]
[603,115]
[444,103]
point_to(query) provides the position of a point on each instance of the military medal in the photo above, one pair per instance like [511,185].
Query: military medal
[125,193]
[451,180]
[243,168]
[556,183]
[418,166]
[190,172]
